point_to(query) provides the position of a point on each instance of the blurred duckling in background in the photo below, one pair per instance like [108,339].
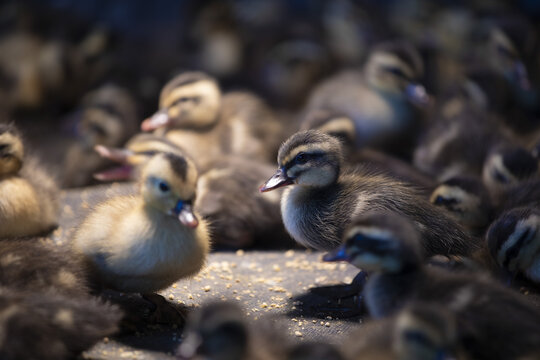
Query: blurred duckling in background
[38,266]
[342,127]
[323,199]
[506,166]
[109,118]
[467,200]
[388,245]
[377,98]
[50,325]
[513,241]
[220,331]
[196,116]
[144,243]
[236,220]
[421,331]
[28,195]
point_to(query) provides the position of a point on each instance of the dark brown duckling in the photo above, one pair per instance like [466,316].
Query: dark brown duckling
[388,245]
[51,326]
[323,199]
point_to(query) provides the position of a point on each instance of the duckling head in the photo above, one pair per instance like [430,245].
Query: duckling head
[395,68]
[424,332]
[376,241]
[329,122]
[513,239]
[138,151]
[218,332]
[11,150]
[108,117]
[466,199]
[168,184]
[505,52]
[308,158]
[508,165]
[191,100]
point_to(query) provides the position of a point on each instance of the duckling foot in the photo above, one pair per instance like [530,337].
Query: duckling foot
[164,312]
[343,291]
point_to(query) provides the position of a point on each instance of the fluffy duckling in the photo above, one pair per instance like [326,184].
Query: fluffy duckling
[196,116]
[377,98]
[421,331]
[51,326]
[236,220]
[28,195]
[467,200]
[343,128]
[220,331]
[36,265]
[389,246]
[322,200]
[514,243]
[109,118]
[144,243]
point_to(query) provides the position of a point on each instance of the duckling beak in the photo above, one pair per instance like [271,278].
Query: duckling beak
[114,154]
[121,156]
[156,121]
[278,180]
[337,255]
[417,94]
[115,174]
[185,214]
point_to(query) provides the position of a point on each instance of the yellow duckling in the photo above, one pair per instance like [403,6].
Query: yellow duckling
[28,196]
[144,243]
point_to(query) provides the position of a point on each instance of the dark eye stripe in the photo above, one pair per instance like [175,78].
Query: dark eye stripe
[513,251]
[418,337]
[309,156]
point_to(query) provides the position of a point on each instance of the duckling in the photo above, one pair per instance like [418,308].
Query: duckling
[522,194]
[421,331]
[195,115]
[220,331]
[342,127]
[389,246]
[28,195]
[109,118]
[506,166]
[50,325]
[377,98]
[144,243]
[513,242]
[467,200]
[323,199]
[36,265]
[236,220]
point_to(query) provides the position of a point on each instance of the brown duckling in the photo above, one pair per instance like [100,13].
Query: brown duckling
[220,331]
[513,241]
[109,118]
[378,97]
[52,326]
[322,200]
[196,116]
[28,195]
[37,266]
[388,245]
[144,243]
[421,331]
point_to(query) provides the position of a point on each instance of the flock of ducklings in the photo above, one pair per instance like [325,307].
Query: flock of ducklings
[437,238]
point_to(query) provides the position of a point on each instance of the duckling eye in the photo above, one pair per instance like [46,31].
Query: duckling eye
[301,158]
[98,129]
[396,71]
[163,186]
[500,177]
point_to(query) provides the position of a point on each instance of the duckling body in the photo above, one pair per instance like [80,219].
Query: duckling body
[28,195]
[390,248]
[318,208]
[52,326]
[143,244]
